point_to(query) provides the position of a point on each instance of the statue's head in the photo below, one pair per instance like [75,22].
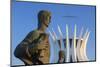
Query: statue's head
[44,18]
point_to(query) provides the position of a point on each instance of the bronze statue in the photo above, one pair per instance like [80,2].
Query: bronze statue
[61,56]
[35,48]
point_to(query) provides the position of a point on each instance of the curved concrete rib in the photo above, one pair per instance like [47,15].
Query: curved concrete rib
[61,38]
[54,34]
[83,46]
[54,37]
[73,49]
[79,57]
[67,46]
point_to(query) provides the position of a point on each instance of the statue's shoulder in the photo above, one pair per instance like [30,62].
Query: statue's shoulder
[34,34]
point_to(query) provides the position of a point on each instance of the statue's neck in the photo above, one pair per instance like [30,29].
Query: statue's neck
[42,28]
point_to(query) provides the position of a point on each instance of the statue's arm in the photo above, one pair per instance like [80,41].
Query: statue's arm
[22,47]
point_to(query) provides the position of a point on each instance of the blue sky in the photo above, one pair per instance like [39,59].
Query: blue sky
[24,20]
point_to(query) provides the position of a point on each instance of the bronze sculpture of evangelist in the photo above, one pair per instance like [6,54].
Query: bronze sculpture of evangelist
[35,48]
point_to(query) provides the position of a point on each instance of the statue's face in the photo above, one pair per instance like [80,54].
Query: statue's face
[47,20]
[44,18]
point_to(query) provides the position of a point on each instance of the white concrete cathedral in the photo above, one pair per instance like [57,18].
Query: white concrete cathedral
[75,47]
